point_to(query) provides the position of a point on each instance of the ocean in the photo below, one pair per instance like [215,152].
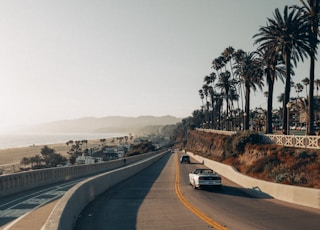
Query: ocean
[23,140]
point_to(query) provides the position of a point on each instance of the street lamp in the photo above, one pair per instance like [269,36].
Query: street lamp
[288,117]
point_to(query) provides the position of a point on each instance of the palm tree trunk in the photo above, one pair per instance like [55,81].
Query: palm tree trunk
[287,92]
[269,109]
[247,107]
[310,127]
[227,102]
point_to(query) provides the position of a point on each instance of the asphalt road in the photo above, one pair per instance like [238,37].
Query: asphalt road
[149,201]
[17,205]
[146,201]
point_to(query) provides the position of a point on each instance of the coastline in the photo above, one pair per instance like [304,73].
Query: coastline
[10,157]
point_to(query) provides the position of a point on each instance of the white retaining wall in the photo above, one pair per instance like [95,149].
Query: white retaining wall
[65,213]
[298,195]
[18,182]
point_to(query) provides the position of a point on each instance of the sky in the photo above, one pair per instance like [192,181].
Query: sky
[67,59]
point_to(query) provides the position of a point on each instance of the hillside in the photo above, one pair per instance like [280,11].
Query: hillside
[112,124]
[286,165]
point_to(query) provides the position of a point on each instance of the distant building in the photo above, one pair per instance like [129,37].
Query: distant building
[299,112]
[87,159]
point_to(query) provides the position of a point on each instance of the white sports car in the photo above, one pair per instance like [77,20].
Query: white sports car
[200,178]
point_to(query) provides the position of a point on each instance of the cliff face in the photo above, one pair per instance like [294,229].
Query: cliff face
[287,165]
[206,144]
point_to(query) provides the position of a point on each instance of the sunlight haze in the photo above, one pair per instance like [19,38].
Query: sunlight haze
[75,58]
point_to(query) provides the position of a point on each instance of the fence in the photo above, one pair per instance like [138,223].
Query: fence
[310,142]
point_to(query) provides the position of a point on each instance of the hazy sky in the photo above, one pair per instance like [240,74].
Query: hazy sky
[66,59]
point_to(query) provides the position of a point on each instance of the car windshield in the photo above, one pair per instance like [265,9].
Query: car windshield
[204,171]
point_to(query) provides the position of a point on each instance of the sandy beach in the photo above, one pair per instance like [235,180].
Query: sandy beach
[10,158]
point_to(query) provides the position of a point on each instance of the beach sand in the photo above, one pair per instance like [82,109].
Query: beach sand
[10,158]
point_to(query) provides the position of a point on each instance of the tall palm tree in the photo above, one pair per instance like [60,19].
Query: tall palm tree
[306,82]
[298,87]
[201,97]
[209,80]
[226,84]
[228,54]
[233,96]
[248,68]
[317,83]
[237,56]
[218,63]
[289,36]
[273,69]
[311,9]
[205,90]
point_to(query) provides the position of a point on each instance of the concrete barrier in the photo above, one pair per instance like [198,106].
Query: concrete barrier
[19,182]
[68,208]
[298,195]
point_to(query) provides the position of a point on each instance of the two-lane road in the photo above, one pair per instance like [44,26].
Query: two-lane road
[149,201]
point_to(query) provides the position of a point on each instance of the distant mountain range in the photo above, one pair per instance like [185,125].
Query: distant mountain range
[110,124]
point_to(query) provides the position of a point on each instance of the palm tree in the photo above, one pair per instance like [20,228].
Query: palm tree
[306,82]
[298,87]
[248,68]
[228,54]
[287,35]
[311,9]
[317,83]
[218,63]
[209,80]
[205,90]
[25,161]
[273,69]
[102,141]
[226,84]
[233,96]
[201,96]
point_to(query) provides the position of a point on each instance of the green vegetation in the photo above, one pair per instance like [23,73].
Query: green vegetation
[288,37]
[141,148]
[47,158]
[252,154]
[235,144]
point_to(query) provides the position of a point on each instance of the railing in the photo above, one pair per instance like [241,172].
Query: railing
[310,142]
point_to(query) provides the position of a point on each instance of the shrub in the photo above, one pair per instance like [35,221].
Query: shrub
[259,165]
[235,144]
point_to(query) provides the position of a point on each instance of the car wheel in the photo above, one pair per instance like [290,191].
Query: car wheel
[194,185]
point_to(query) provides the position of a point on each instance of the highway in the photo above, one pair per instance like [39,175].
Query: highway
[150,200]
[18,205]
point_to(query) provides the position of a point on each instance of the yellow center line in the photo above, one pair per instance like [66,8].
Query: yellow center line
[186,203]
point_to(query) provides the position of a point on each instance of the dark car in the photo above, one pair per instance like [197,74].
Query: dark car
[185,159]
